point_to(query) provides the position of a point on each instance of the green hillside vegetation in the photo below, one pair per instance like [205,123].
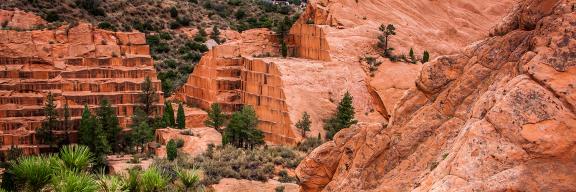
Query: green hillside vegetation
[175,54]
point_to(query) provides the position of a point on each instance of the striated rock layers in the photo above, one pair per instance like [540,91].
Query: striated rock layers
[79,65]
[325,45]
[498,116]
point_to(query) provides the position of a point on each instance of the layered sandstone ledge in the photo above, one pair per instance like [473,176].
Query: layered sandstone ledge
[235,74]
[499,116]
[79,65]
[325,46]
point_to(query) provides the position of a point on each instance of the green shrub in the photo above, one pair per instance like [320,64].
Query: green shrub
[173,12]
[425,57]
[171,150]
[253,164]
[309,144]
[179,143]
[279,188]
[52,16]
[106,25]
[165,36]
[285,178]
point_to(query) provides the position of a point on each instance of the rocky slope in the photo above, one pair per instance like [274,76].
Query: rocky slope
[326,43]
[497,116]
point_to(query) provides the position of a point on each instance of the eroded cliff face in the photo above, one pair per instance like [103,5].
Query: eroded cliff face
[498,116]
[78,65]
[325,46]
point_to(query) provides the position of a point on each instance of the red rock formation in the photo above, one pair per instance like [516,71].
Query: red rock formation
[194,144]
[498,116]
[20,20]
[79,65]
[327,61]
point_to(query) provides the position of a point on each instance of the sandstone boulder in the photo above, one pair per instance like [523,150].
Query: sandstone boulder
[496,117]
[196,140]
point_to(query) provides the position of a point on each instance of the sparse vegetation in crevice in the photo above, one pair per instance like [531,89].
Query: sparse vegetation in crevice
[388,52]
[309,144]
[373,63]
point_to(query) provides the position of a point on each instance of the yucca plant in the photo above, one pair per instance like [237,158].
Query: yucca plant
[70,181]
[190,178]
[34,172]
[76,157]
[111,183]
[131,179]
[152,180]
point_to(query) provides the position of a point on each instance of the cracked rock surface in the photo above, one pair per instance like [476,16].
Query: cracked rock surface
[498,116]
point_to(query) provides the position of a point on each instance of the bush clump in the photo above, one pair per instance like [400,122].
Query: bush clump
[252,164]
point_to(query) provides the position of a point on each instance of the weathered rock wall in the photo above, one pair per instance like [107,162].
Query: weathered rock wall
[499,116]
[79,65]
[230,76]
[309,41]
[17,19]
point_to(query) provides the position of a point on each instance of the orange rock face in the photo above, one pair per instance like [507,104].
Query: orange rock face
[79,65]
[498,116]
[194,144]
[326,44]
[20,19]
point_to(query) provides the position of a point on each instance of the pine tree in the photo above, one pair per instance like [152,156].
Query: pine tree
[383,39]
[142,135]
[148,96]
[46,133]
[343,118]
[141,132]
[282,31]
[171,150]
[304,124]
[100,146]
[181,117]
[284,49]
[425,57]
[168,116]
[216,118]
[106,117]
[215,34]
[85,129]
[91,134]
[67,123]
[412,56]
[242,130]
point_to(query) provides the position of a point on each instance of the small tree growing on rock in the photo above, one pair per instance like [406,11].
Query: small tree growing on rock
[387,31]
[171,150]
[304,124]
[412,56]
[343,118]
[216,118]
[181,117]
[46,133]
[242,131]
[215,34]
[425,57]
[148,96]
[168,116]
